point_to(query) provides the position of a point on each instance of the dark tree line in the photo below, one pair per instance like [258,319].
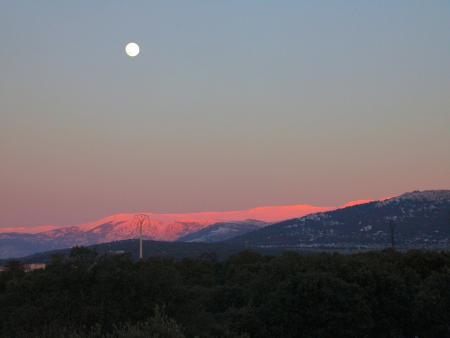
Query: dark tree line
[380,294]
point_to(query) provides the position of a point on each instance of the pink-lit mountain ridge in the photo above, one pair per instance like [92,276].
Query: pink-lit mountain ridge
[15,242]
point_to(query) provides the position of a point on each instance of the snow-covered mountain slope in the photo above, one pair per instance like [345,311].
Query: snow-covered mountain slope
[222,231]
[166,227]
[419,219]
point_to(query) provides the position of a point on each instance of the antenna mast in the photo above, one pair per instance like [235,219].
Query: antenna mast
[140,220]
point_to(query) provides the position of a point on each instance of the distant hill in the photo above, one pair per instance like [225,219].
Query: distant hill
[177,250]
[420,220]
[222,231]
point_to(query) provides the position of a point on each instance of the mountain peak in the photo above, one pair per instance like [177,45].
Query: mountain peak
[420,196]
[431,195]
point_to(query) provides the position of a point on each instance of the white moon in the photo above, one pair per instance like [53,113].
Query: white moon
[132,49]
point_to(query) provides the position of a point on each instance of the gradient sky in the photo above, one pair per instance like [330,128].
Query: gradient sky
[230,105]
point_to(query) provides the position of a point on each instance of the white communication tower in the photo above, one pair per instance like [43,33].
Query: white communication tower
[140,220]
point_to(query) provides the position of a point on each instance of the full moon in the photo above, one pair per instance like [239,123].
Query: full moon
[132,49]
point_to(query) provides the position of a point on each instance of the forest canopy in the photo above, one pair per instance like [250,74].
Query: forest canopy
[376,294]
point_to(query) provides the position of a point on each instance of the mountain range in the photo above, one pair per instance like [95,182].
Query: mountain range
[419,219]
[17,242]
